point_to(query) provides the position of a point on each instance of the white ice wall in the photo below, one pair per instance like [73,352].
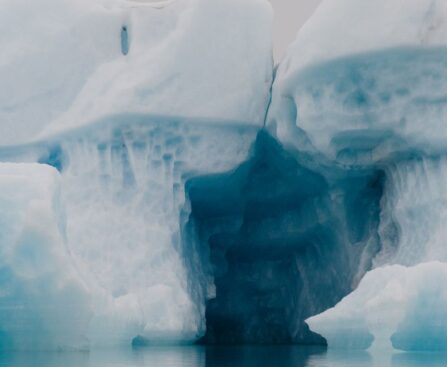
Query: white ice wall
[364,84]
[44,303]
[127,131]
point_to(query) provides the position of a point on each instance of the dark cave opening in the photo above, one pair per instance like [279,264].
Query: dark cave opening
[282,238]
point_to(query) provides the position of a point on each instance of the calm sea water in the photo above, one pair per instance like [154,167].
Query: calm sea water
[221,357]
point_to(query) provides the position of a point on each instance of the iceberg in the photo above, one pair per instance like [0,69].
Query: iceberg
[400,306]
[160,189]
[126,100]
[40,282]
[393,307]
[359,98]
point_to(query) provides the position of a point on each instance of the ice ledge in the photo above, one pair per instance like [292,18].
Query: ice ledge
[393,307]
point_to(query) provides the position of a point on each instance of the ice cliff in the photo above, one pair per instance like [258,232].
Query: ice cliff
[364,86]
[156,186]
[127,100]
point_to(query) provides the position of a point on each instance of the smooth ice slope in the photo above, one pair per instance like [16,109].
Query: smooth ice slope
[341,28]
[394,306]
[67,63]
[44,304]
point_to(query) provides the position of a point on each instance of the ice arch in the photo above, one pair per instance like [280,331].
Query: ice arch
[281,237]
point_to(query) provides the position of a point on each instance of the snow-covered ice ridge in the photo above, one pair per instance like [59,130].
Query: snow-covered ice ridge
[158,188]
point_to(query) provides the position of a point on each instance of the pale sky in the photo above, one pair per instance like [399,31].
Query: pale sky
[290,15]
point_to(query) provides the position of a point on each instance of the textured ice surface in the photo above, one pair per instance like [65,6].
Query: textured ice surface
[364,79]
[175,225]
[123,190]
[79,61]
[414,213]
[127,100]
[397,305]
[44,304]
[285,237]
[394,306]
[361,109]
[364,85]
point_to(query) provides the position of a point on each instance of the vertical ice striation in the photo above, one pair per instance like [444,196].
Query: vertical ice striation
[416,203]
[123,186]
[124,189]
[286,238]
[174,217]
[400,306]
[364,85]
[128,100]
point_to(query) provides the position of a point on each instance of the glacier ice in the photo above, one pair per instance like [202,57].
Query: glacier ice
[66,69]
[393,306]
[127,100]
[145,199]
[400,305]
[365,108]
[123,188]
[347,27]
[286,237]
[377,99]
[40,282]
[372,91]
